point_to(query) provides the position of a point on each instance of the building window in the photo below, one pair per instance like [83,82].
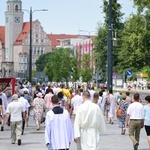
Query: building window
[8,7]
[38,51]
[16,8]
[42,41]
[41,51]
[36,40]
[36,35]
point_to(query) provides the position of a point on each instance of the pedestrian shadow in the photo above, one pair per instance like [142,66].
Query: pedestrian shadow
[30,143]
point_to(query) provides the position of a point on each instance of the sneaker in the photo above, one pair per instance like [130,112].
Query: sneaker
[19,142]
[136,146]
[2,128]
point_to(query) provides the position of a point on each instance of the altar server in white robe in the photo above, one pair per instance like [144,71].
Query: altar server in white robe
[58,130]
[88,125]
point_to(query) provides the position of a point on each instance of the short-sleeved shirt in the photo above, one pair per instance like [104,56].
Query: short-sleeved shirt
[15,109]
[146,115]
[135,110]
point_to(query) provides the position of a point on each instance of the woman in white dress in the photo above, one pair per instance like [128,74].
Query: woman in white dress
[111,112]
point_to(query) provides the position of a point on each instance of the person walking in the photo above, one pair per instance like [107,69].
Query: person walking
[88,124]
[146,111]
[134,120]
[58,129]
[39,106]
[47,99]
[111,100]
[123,105]
[26,106]
[1,111]
[76,101]
[4,105]
[14,111]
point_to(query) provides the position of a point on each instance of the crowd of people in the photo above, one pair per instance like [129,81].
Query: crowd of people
[56,106]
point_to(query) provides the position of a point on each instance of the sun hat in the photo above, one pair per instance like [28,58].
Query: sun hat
[39,95]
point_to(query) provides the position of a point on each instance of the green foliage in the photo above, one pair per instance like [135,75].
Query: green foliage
[100,51]
[42,61]
[134,53]
[86,71]
[142,5]
[62,65]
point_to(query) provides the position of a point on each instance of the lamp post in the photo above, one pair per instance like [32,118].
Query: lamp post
[30,46]
[109,51]
[30,49]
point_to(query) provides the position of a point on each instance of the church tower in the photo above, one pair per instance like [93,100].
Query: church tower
[13,26]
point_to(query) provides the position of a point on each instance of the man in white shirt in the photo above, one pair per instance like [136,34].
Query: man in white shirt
[135,120]
[91,90]
[76,101]
[26,106]
[14,111]
[89,123]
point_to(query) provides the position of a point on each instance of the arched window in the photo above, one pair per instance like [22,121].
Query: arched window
[16,7]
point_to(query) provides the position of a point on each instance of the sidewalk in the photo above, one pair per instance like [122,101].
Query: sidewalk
[34,140]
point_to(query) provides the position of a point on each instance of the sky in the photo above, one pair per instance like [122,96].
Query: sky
[67,16]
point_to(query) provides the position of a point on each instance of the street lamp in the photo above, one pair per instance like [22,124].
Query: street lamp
[89,32]
[30,49]
[109,51]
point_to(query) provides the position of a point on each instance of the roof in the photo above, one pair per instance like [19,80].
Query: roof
[2,35]
[23,34]
[54,38]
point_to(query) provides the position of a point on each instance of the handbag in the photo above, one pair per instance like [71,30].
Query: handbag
[119,112]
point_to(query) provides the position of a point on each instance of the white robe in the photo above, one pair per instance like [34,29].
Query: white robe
[58,130]
[88,125]
[112,106]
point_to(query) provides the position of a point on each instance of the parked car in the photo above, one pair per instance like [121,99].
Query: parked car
[103,85]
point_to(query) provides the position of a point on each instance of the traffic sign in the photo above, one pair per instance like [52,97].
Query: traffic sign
[129,73]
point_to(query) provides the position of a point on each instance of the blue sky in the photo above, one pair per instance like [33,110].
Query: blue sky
[66,16]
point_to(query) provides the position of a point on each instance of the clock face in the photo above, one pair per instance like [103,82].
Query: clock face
[17,19]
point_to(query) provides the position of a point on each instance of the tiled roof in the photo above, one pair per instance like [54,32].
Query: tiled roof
[54,38]
[23,34]
[2,35]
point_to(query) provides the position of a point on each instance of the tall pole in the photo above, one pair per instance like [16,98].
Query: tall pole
[30,49]
[109,51]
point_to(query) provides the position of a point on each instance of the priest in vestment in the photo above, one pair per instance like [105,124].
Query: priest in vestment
[58,130]
[89,123]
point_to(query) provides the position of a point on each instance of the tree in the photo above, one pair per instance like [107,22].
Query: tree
[41,61]
[86,71]
[61,65]
[135,47]
[101,40]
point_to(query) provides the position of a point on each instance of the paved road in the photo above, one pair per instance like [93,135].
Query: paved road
[34,140]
